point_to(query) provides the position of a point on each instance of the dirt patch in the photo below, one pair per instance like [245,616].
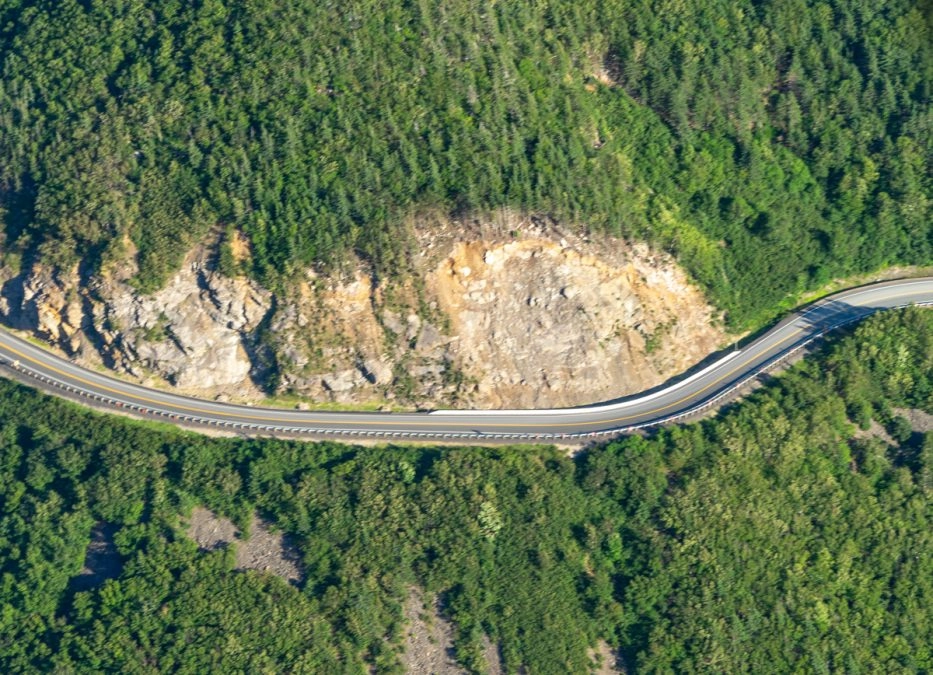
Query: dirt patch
[493,657]
[875,430]
[920,421]
[605,661]
[210,531]
[101,559]
[240,247]
[265,550]
[429,647]
[268,551]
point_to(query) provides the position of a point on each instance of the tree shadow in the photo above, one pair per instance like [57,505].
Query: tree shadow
[102,561]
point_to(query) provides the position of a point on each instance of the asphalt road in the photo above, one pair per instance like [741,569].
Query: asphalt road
[683,397]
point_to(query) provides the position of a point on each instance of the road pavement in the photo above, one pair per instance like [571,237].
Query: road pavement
[685,396]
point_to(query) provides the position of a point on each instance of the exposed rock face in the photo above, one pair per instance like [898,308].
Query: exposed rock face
[45,304]
[517,315]
[195,333]
[542,324]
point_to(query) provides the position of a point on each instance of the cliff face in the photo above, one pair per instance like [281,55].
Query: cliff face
[195,334]
[544,324]
[491,316]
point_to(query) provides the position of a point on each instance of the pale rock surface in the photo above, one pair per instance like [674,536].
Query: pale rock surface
[541,324]
[497,313]
[46,304]
[193,333]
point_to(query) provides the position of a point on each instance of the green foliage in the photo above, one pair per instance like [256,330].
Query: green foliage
[175,610]
[890,363]
[769,145]
[768,539]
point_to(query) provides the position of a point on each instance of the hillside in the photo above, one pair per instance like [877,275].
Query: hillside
[516,313]
[769,146]
[791,533]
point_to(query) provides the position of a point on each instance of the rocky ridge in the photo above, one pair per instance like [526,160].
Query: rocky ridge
[507,313]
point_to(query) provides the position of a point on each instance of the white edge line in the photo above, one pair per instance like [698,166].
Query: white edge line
[610,407]
[606,407]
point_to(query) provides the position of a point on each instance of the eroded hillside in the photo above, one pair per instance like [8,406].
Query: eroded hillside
[496,312]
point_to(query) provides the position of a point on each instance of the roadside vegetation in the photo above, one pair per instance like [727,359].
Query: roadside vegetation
[776,537]
[770,146]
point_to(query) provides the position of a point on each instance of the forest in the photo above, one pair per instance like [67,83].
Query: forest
[770,146]
[792,532]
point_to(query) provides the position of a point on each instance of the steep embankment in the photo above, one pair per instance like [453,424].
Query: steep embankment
[519,314]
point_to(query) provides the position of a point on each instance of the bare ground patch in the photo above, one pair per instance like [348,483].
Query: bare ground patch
[429,646]
[240,247]
[265,550]
[268,551]
[209,530]
[920,421]
[101,559]
[605,661]
[493,657]
[875,430]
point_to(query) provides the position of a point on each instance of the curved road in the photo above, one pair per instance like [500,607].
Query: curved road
[686,397]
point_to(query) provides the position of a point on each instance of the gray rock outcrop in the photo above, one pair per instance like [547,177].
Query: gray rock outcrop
[195,333]
[515,316]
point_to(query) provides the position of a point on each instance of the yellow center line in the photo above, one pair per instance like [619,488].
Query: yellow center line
[287,420]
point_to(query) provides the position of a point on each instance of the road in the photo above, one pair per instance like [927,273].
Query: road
[709,386]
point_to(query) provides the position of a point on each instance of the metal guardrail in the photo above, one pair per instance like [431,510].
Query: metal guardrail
[704,404]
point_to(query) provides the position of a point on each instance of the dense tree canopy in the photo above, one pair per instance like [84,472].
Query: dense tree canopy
[770,539]
[768,145]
